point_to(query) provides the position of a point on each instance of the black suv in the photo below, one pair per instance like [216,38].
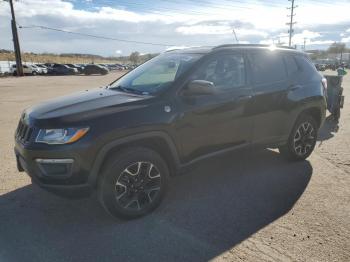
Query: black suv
[125,140]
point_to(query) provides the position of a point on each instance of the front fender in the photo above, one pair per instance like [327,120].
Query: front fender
[103,152]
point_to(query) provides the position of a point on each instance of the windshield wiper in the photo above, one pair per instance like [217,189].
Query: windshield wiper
[129,90]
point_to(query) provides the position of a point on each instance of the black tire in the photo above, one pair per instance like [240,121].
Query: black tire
[336,113]
[295,149]
[126,188]
[34,73]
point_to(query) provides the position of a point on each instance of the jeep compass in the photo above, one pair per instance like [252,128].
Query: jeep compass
[127,139]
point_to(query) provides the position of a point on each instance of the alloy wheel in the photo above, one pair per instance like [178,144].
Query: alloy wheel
[304,139]
[138,186]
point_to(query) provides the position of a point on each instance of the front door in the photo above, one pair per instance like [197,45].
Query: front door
[208,123]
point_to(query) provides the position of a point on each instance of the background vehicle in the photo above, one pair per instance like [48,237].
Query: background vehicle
[58,69]
[79,68]
[37,69]
[43,69]
[320,67]
[176,109]
[95,69]
[27,70]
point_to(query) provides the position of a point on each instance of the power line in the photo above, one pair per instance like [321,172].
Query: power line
[189,11]
[94,36]
[291,23]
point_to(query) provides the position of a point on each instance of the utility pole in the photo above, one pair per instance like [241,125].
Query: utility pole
[291,23]
[304,48]
[17,49]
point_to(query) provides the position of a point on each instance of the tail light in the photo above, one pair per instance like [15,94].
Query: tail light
[324,83]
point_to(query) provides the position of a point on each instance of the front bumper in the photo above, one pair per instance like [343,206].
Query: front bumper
[64,178]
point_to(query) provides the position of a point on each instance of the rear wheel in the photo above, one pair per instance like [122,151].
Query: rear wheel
[302,140]
[133,183]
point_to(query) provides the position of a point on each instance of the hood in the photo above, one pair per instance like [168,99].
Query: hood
[84,105]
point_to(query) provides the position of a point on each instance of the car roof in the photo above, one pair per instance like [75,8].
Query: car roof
[207,50]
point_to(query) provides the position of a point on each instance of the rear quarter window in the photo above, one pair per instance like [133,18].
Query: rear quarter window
[267,67]
[292,66]
[305,65]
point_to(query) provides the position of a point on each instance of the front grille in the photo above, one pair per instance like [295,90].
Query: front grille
[23,132]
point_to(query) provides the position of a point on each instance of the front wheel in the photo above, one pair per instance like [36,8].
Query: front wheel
[133,183]
[302,140]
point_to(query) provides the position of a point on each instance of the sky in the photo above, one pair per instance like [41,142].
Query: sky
[152,26]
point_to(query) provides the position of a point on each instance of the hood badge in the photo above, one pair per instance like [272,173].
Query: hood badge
[167,109]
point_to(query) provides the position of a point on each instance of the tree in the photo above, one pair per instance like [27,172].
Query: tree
[336,48]
[134,57]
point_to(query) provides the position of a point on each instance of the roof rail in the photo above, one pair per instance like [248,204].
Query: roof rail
[251,45]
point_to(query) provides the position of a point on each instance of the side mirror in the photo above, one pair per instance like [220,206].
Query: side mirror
[199,87]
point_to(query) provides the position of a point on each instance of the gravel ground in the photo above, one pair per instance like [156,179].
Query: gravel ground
[246,206]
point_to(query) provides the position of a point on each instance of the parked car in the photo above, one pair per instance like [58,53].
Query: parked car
[79,68]
[95,69]
[127,139]
[37,69]
[43,69]
[27,70]
[320,67]
[59,69]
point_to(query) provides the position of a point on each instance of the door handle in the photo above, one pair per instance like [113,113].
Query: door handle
[294,87]
[244,97]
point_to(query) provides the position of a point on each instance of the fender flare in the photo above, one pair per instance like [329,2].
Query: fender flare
[103,152]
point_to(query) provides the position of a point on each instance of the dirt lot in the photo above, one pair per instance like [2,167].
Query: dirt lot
[250,206]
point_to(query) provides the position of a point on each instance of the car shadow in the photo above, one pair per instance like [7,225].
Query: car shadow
[210,209]
[329,127]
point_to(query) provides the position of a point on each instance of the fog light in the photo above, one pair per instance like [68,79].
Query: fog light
[59,168]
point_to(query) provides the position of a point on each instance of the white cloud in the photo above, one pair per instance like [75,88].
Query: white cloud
[345,39]
[118,52]
[258,23]
[298,39]
[218,30]
[177,47]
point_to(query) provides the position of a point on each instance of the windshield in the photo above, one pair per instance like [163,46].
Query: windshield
[156,74]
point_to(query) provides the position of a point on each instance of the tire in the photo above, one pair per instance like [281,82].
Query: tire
[302,139]
[34,73]
[336,113]
[133,183]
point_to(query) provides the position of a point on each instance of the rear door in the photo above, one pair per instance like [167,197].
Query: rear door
[270,85]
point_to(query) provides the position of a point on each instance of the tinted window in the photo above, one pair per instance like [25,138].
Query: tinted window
[267,67]
[225,71]
[292,66]
[305,65]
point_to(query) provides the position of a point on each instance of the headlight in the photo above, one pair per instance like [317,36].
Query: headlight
[60,136]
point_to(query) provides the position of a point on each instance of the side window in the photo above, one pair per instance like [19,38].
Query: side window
[225,71]
[267,67]
[292,66]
